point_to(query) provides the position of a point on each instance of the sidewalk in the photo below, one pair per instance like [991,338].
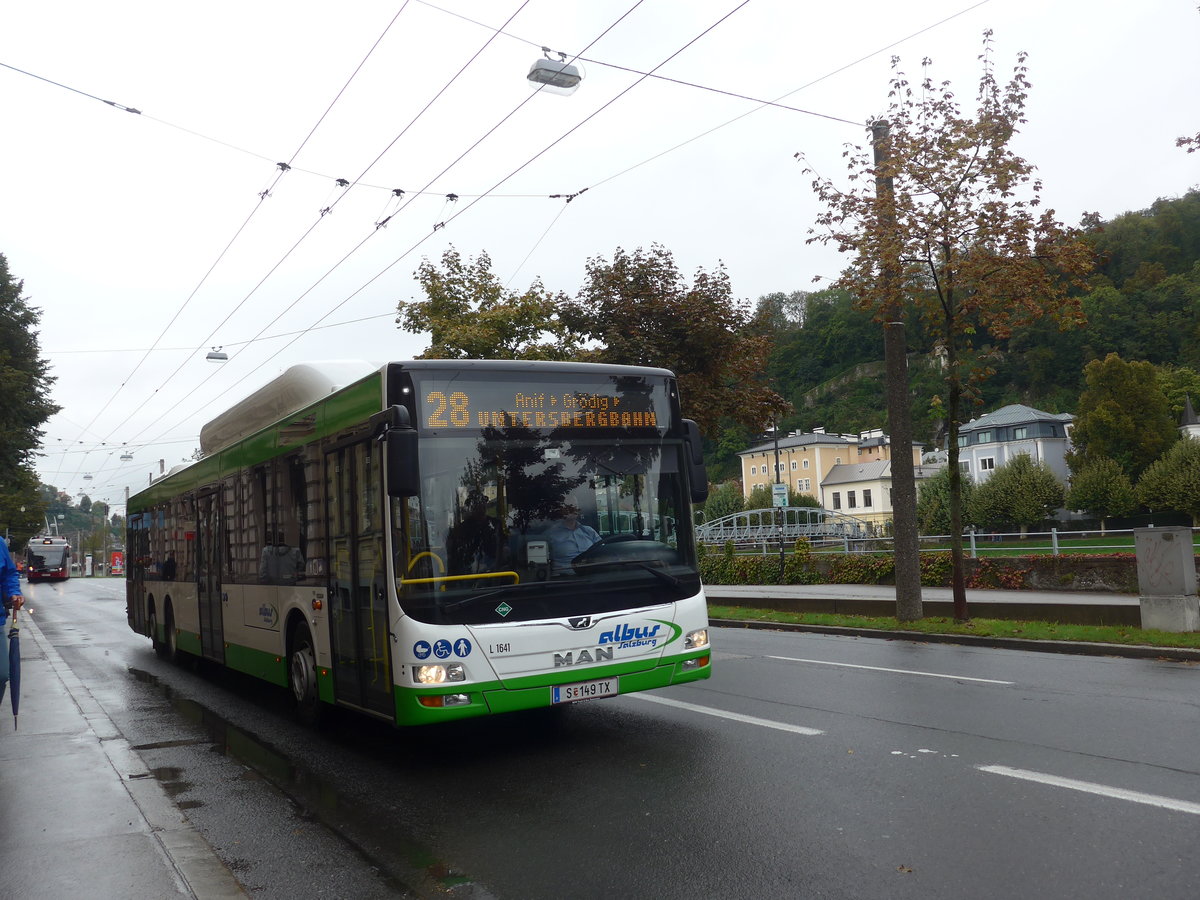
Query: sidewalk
[880,600]
[1074,607]
[82,816]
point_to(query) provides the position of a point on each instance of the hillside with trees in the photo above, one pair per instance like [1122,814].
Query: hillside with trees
[1143,305]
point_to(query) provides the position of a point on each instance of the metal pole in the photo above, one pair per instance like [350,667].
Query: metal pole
[778,510]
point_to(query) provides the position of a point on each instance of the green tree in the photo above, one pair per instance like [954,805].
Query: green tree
[1179,383]
[933,504]
[761,497]
[1021,492]
[469,314]
[25,405]
[1103,489]
[641,311]
[1123,416]
[777,312]
[960,237]
[723,500]
[1173,482]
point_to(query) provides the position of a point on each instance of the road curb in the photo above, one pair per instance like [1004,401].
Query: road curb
[1077,648]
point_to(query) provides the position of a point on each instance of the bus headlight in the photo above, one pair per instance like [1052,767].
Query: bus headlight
[694,640]
[439,674]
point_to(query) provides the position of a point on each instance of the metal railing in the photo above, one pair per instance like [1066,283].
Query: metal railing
[787,524]
[831,535]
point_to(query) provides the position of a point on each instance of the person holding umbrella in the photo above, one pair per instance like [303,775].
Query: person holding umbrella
[10,594]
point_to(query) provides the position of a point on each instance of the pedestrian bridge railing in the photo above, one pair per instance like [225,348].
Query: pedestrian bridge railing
[789,524]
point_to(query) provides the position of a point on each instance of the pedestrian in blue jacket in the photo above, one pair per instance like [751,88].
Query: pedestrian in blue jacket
[10,594]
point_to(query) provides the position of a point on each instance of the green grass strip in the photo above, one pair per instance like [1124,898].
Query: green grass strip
[1006,628]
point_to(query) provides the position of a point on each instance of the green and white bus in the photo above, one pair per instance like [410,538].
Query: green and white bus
[433,540]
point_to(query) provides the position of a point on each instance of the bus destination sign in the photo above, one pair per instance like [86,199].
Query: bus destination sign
[457,405]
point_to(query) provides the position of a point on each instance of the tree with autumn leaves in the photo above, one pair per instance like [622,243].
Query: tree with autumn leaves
[635,309]
[960,244]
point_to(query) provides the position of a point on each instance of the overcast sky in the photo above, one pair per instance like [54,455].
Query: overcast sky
[144,240]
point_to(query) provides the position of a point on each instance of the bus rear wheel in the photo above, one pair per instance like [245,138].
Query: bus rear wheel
[302,675]
[160,647]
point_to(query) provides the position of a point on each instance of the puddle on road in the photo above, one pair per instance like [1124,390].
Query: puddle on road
[316,797]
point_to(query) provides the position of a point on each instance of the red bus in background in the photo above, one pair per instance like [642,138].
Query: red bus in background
[48,558]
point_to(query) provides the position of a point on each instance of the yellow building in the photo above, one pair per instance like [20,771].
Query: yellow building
[850,474]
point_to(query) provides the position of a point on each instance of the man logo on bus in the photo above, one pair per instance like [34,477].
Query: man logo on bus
[580,622]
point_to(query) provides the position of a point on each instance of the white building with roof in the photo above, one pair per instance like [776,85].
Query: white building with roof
[986,443]
[1189,423]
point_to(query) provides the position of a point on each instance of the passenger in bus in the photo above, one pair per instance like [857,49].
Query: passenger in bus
[280,563]
[476,543]
[568,538]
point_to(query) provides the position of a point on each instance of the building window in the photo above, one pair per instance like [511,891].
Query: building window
[837,500]
[1020,433]
[964,466]
[806,463]
[794,465]
[850,499]
[987,463]
[837,460]
[985,437]
[754,470]
[867,499]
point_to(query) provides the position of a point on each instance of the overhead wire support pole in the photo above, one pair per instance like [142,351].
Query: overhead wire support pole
[905,538]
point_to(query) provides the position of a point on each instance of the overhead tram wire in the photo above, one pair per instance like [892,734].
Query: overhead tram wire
[282,170]
[320,217]
[371,233]
[762,103]
[517,170]
[651,74]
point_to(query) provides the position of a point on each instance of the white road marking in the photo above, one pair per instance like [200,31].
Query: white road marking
[722,714]
[1091,788]
[824,662]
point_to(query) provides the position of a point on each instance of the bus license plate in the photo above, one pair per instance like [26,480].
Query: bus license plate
[583,690]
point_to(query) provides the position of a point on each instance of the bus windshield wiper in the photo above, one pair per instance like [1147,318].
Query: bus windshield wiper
[661,574]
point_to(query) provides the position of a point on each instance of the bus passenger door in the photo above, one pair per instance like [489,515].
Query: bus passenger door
[137,551]
[357,591]
[208,576]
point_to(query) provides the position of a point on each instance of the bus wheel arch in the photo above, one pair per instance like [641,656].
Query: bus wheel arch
[302,672]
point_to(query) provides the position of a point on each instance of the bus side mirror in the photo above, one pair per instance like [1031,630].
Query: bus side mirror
[697,473]
[400,458]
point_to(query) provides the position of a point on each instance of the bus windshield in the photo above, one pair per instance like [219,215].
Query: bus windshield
[517,524]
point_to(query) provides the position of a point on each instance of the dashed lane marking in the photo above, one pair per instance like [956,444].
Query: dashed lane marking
[732,716]
[1102,790]
[825,662]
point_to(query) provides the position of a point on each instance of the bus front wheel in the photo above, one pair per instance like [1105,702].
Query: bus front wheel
[302,673]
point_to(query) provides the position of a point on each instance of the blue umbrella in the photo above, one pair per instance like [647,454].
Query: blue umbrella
[14,668]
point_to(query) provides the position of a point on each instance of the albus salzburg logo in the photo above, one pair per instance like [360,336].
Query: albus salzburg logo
[622,637]
[625,637]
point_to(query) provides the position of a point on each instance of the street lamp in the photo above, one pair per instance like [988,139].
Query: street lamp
[554,76]
[778,509]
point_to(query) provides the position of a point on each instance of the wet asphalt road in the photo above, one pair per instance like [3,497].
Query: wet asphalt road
[808,766]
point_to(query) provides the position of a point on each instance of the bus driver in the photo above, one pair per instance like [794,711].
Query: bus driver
[568,538]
